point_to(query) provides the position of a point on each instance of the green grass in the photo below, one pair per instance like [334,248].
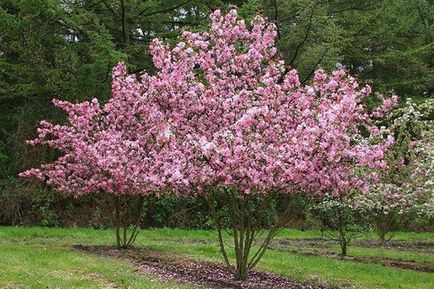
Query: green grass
[44,258]
[41,267]
[339,273]
[389,253]
[403,236]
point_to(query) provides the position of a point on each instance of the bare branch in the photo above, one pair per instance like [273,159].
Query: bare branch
[309,27]
[315,66]
[142,13]
[276,21]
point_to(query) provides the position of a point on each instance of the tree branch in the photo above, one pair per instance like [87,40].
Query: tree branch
[316,64]
[276,21]
[142,13]
[309,26]
[123,20]
[108,7]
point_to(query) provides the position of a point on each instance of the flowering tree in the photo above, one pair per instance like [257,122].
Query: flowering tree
[121,148]
[224,118]
[250,132]
[406,188]
[337,219]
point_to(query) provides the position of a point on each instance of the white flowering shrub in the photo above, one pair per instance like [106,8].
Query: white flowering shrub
[405,191]
[338,220]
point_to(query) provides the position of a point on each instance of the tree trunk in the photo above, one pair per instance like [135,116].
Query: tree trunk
[343,248]
[121,221]
[117,221]
[244,231]
[381,235]
[342,234]
[386,226]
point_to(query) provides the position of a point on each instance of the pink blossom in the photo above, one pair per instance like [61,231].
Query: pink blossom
[219,111]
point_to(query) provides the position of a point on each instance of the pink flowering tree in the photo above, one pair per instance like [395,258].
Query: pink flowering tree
[222,117]
[250,133]
[405,190]
[121,148]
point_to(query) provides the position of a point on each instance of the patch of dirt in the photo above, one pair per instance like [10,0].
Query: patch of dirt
[311,242]
[415,246]
[186,241]
[194,272]
[319,246]
[399,263]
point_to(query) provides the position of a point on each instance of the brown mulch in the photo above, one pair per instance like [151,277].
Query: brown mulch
[390,262]
[194,272]
[319,246]
[187,241]
[414,246]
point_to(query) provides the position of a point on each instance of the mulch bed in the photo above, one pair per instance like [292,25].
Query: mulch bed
[319,246]
[414,246]
[285,245]
[194,272]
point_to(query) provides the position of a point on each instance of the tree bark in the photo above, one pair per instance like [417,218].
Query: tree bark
[123,240]
[244,232]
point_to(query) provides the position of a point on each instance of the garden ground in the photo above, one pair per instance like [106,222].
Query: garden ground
[165,258]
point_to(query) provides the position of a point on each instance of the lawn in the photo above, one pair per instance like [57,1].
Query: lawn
[45,258]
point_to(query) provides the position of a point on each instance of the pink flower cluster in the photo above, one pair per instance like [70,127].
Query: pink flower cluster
[220,112]
[118,148]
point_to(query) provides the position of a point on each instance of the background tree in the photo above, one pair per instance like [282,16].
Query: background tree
[45,53]
[338,219]
[405,190]
[122,149]
[394,52]
[65,50]
[387,43]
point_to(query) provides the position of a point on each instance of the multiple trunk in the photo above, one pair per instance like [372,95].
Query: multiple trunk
[386,226]
[245,223]
[127,222]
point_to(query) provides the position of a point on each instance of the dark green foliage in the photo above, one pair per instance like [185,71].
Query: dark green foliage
[177,212]
[66,49]
[389,43]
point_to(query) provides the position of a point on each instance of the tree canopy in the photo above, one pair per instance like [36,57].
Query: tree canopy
[65,49]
